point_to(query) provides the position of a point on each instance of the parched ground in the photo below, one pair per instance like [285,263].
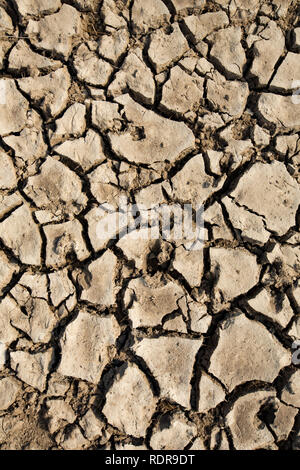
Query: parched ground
[112,339]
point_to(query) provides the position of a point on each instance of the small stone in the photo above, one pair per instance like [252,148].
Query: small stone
[99,287]
[248,431]
[13,108]
[166,48]
[74,440]
[246,351]
[112,47]
[56,33]
[22,236]
[130,403]
[291,390]
[150,16]
[49,92]
[37,7]
[22,58]
[174,432]
[135,75]
[56,188]
[105,116]
[71,124]
[9,389]
[149,304]
[227,52]
[171,361]
[59,414]
[90,68]
[87,346]
[162,139]
[267,49]
[287,74]
[32,368]
[276,308]
[87,151]
[181,92]
[210,392]
[270,191]
[64,240]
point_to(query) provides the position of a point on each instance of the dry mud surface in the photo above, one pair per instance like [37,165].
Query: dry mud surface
[118,340]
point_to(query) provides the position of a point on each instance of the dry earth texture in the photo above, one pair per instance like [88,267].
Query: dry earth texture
[128,342]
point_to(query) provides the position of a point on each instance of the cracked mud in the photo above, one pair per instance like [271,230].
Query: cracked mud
[124,341]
